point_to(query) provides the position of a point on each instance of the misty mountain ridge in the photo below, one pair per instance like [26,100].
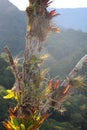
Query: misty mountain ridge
[12,27]
[64,49]
[74,18]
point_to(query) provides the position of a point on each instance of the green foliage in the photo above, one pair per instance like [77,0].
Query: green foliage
[69,46]
[6,76]
[4,106]
[51,124]
[12,28]
[75,117]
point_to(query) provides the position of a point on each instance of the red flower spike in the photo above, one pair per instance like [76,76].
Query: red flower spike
[67,89]
[53,13]
[50,83]
[56,84]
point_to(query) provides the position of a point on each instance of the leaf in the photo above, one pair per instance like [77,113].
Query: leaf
[11,125]
[14,120]
[78,81]
[22,127]
[44,57]
[30,127]
[67,89]
[9,95]
[56,84]
[28,28]
[8,127]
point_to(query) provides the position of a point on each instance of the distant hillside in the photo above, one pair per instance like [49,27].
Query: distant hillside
[72,18]
[65,49]
[12,27]
[13,24]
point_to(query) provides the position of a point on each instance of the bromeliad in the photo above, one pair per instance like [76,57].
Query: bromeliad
[34,92]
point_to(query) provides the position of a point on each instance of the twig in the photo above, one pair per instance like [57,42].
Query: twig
[75,71]
[14,68]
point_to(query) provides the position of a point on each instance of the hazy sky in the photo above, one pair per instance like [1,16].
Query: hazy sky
[21,4]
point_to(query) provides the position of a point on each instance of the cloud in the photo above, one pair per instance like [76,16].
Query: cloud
[69,3]
[22,4]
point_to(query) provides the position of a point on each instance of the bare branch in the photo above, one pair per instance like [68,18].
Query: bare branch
[75,71]
[14,70]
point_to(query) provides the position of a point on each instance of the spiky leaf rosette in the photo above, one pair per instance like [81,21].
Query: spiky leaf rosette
[39,25]
[33,122]
[39,19]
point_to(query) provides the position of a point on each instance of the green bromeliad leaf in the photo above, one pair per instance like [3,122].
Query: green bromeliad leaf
[14,121]
[23,127]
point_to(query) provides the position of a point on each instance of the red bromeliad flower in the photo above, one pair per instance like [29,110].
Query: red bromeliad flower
[53,13]
[56,84]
